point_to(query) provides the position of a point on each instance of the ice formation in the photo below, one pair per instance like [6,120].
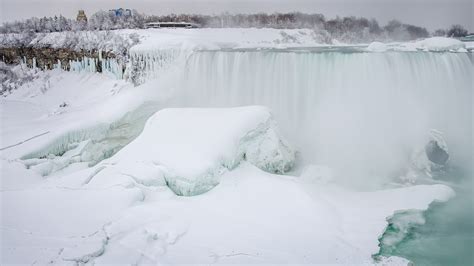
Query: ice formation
[377,47]
[88,146]
[160,50]
[110,66]
[437,151]
[151,64]
[428,158]
[400,228]
[193,147]
[441,44]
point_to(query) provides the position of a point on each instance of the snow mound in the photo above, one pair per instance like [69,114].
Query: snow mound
[377,47]
[440,44]
[193,147]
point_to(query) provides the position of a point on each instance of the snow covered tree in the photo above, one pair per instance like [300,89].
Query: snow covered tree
[64,24]
[79,25]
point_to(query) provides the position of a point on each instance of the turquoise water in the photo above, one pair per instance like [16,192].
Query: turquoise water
[446,237]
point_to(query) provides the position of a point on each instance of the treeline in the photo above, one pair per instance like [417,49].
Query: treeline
[455,31]
[341,28]
[107,41]
[345,29]
[101,20]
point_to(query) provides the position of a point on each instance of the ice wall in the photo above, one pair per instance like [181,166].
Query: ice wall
[151,64]
[361,113]
[110,66]
[89,145]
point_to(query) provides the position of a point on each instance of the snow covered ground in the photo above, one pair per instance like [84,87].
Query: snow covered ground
[63,204]
[230,38]
[252,38]
[118,41]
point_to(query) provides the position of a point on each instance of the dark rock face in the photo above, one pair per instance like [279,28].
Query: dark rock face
[46,57]
[435,153]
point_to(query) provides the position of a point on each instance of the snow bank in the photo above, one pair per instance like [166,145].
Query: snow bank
[145,222]
[440,44]
[229,38]
[40,224]
[13,76]
[434,44]
[188,40]
[194,147]
[377,47]
[326,225]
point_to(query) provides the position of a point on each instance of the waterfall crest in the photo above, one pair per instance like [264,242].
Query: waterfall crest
[362,112]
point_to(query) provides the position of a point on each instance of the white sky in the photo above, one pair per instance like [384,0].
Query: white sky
[431,14]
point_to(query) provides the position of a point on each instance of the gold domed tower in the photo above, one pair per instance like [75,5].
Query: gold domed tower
[81,16]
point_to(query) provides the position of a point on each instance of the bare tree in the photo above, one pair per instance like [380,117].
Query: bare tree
[439,32]
[457,31]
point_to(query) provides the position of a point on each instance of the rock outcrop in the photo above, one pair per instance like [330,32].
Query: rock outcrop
[46,58]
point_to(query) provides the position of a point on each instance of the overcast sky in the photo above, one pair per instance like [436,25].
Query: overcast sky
[432,14]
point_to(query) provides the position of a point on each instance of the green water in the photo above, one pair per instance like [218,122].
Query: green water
[445,238]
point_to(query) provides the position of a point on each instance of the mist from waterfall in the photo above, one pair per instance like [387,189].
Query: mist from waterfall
[360,113]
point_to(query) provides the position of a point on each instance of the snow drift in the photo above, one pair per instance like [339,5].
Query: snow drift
[191,148]
[441,44]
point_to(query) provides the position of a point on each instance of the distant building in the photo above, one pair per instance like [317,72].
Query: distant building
[155,25]
[120,12]
[81,16]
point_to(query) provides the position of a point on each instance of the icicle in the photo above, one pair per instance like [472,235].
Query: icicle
[150,64]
